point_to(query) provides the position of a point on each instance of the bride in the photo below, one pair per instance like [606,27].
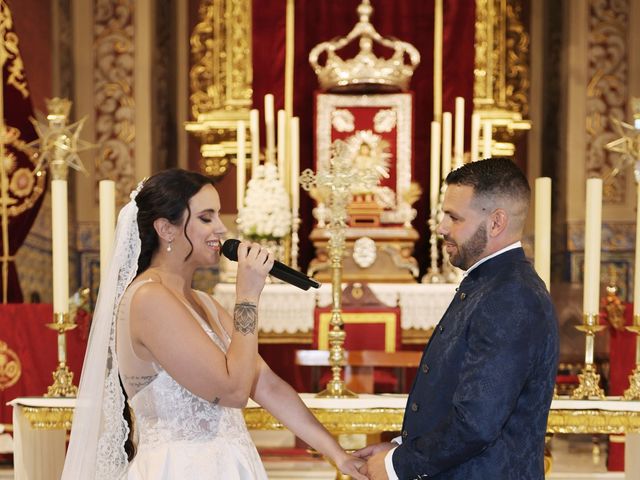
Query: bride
[172,358]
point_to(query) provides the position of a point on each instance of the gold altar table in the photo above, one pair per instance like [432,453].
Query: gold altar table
[40,425]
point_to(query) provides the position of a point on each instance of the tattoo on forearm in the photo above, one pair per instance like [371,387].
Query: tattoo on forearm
[245,317]
[215,401]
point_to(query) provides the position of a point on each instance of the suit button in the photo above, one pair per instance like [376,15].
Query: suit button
[425,368]
[463,296]
[441,328]
[404,434]
[414,407]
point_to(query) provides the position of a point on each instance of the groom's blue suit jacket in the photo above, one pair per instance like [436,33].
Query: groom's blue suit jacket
[479,404]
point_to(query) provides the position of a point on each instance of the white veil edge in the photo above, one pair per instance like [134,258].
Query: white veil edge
[99,430]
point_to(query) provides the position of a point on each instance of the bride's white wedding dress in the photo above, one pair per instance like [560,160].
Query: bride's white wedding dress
[180,435]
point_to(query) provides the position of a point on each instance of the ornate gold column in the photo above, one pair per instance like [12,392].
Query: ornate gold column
[501,86]
[220,80]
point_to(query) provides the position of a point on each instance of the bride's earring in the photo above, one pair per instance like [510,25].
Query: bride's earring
[169,246]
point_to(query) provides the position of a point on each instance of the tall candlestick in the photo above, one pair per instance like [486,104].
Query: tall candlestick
[592,234]
[107,195]
[269,127]
[60,246]
[282,144]
[435,165]
[475,137]
[542,259]
[486,139]
[254,130]
[241,169]
[438,28]
[447,121]
[636,277]
[295,165]
[458,137]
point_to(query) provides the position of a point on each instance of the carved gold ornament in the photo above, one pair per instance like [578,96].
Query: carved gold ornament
[9,45]
[366,70]
[10,367]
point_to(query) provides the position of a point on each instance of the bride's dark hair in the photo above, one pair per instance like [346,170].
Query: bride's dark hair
[165,195]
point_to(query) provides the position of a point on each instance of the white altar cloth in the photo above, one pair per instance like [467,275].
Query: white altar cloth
[287,309]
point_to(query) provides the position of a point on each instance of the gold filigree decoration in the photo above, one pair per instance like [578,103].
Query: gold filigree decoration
[607,54]
[20,200]
[10,366]
[222,73]
[114,100]
[9,50]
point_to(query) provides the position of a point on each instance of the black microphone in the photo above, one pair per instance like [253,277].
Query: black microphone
[279,269]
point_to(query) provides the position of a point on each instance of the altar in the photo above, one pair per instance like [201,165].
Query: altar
[40,424]
[287,312]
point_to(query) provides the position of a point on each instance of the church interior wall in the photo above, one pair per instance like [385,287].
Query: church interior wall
[144,128]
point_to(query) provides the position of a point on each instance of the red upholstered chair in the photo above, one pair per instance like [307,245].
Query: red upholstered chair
[369,325]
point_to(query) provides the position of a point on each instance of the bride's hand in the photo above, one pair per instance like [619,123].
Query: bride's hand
[354,467]
[254,263]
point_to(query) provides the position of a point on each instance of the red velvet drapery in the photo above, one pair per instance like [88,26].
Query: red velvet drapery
[409,20]
[25,190]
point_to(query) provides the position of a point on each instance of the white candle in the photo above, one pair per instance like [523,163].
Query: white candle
[435,165]
[107,196]
[486,138]
[241,169]
[592,237]
[254,130]
[282,143]
[542,252]
[447,122]
[438,37]
[295,165]
[636,277]
[60,246]
[269,127]
[458,137]
[475,137]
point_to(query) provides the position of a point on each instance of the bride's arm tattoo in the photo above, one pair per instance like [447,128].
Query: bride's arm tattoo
[245,317]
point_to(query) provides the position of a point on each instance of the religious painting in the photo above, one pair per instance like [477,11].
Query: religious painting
[379,128]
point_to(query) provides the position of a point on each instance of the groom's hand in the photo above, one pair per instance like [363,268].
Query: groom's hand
[370,450]
[376,469]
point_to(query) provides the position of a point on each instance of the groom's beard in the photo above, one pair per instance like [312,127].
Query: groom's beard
[469,252]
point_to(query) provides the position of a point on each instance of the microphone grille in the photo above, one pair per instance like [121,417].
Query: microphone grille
[230,249]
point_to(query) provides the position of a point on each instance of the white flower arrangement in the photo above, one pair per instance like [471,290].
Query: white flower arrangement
[266,212]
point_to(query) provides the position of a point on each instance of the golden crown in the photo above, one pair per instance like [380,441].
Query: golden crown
[365,71]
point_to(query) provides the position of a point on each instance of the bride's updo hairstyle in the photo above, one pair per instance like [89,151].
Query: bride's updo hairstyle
[165,195]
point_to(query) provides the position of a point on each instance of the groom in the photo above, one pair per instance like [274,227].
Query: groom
[479,404]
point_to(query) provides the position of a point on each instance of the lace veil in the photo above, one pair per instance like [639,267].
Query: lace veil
[99,431]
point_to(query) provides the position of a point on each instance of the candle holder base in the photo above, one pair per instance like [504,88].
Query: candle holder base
[633,392]
[433,276]
[589,387]
[62,383]
[336,389]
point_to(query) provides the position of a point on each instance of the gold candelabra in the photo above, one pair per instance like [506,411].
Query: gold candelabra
[57,148]
[340,179]
[589,386]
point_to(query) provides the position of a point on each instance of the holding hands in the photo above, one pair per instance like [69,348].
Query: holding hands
[374,455]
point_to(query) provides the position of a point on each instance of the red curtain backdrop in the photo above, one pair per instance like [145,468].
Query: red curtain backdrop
[622,356]
[24,333]
[25,189]
[409,20]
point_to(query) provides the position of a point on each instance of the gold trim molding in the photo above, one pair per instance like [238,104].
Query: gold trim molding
[220,80]
[501,73]
[376,420]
